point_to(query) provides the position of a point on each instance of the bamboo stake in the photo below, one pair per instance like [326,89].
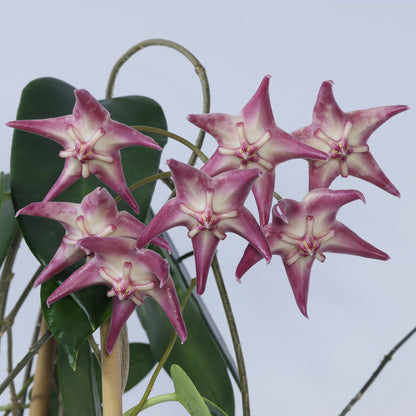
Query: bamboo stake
[111,375]
[42,383]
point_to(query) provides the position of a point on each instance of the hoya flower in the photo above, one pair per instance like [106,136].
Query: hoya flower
[132,275]
[91,142]
[209,207]
[302,231]
[96,215]
[253,140]
[344,136]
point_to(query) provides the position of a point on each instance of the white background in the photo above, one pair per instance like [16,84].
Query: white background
[358,308]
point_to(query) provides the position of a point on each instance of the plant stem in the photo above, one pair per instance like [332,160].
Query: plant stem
[165,356]
[111,374]
[7,274]
[9,369]
[8,321]
[22,363]
[199,69]
[378,370]
[162,398]
[160,175]
[42,382]
[276,196]
[174,136]
[234,335]
[27,378]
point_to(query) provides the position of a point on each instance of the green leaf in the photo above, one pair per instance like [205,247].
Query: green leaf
[8,224]
[68,322]
[201,356]
[54,402]
[35,166]
[187,393]
[141,362]
[79,388]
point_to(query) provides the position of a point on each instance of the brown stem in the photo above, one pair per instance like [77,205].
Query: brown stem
[378,370]
[111,374]
[42,382]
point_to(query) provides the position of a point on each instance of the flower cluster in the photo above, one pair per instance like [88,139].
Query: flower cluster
[209,201]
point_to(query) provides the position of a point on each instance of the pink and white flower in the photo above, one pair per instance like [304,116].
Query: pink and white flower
[302,231]
[344,136]
[131,274]
[96,215]
[209,207]
[91,142]
[252,140]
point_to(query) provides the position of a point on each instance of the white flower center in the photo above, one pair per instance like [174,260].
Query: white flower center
[339,149]
[83,150]
[306,246]
[248,152]
[208,219]
[123,286]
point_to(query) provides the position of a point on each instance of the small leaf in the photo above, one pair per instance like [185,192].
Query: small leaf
[187,393]
[79,388]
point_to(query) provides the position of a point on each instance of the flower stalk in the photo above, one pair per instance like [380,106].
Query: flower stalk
[187,143]
[234,335]
[199,69]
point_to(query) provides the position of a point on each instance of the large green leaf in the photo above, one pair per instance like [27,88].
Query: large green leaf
[79,388]
[8,224]
[35,166]
[202,356]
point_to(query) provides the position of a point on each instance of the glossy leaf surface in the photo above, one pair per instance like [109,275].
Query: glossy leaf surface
[70,323]
[35,164]
[79,388]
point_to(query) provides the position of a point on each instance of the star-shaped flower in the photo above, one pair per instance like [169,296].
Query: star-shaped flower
[209,207]
[344,136]
[91,142]
[132,274]
[302,231]
[252,140]
[96,215]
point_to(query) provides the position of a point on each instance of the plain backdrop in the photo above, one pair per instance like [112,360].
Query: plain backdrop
[358,308]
